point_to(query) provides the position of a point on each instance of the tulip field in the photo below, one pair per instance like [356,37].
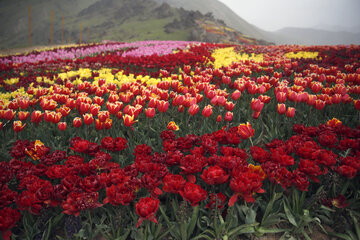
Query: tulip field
[180,140]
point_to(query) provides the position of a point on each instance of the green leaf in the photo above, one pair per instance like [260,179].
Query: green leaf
[289,215]
[269,208]
[263,230]
[305,234]
[242,229]
[193,219]
[162,236]
[356,224]
[340,235]
[250,216]
[48,231]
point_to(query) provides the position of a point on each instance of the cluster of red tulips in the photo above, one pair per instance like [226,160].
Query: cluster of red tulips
[87,177]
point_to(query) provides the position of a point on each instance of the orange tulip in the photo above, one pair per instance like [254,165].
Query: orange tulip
[128,120]
[172,126]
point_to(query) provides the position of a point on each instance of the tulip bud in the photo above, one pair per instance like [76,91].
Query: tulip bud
[290,112]
[194,109]
[18,126]
[207,111]
[246,131]
[228,116]
[281,108]
[256,105]
[88,118]
[62,126]
[150,112]
[77,122]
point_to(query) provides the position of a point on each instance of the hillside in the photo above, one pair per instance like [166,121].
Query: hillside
[220,11]
[125,20]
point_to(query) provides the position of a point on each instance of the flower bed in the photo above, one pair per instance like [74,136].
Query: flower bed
[147,140]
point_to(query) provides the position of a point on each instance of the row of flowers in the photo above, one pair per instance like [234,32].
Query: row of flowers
[196,167]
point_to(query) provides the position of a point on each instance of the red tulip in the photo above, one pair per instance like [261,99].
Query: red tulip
[36,116]
[290,112]
[214,175]
[94,109]
[246,131]
[229,106]
[103,115]
[99,125]
[194,109]
[114,108]
[319,104]
[219,118]
[281,108]
[24,103]
[256,105]
[146,209]
[311,100]
[193,193]
[88,118]
[162,106]
[236,95]
[255,115]
[9,114]
[18,126]
[280,97]
[150,112]
[64,110]
[77,122]
[228,116]
[356,104]
[98,100]
[207,111]
[56,118]
[108,123]
[62,126]
[23,115]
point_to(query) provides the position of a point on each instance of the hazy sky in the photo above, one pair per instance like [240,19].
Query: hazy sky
[275,14]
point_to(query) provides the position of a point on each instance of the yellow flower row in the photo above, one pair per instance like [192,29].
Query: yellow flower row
[302,54]
[226,56]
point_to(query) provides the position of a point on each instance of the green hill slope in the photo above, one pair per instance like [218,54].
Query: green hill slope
[120,20]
